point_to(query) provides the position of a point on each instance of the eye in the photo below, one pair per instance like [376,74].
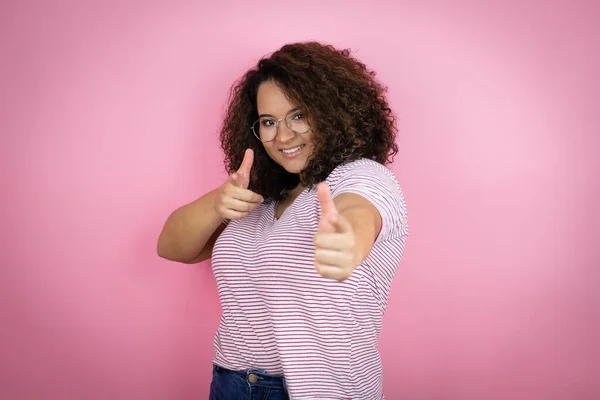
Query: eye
[298,116]
[267,122]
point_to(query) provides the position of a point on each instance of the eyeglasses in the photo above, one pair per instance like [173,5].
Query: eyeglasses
[265,128]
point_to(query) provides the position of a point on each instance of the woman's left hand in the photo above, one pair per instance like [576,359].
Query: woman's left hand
[335,252]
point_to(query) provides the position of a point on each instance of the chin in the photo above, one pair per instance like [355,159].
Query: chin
[295,171]
[293,166]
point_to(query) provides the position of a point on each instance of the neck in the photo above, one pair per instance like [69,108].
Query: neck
[296,191]
[293,193]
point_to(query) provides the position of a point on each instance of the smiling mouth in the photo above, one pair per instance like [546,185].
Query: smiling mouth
[293,152]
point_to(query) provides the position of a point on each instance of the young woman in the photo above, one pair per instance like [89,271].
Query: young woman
[306,234]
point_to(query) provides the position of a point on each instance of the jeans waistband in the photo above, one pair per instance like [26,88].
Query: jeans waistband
[254,376]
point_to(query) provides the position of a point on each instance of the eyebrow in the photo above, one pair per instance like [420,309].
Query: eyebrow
[272,116]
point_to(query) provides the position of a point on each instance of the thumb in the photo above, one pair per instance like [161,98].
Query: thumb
[329,212]
[340,224]
[327,205]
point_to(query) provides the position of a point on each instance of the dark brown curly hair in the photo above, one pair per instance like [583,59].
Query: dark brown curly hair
[345,104]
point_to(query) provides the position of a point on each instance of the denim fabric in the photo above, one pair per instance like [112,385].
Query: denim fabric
[252,384]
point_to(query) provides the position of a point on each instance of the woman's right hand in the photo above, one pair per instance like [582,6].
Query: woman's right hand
[234,201]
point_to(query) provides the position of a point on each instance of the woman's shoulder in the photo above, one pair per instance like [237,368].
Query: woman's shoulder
[378,184]
[360,167]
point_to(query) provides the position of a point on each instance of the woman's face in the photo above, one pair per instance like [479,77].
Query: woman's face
[289,149]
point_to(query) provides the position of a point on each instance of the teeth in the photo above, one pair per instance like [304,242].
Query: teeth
[293,150]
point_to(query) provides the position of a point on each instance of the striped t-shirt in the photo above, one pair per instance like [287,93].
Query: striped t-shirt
[280,315]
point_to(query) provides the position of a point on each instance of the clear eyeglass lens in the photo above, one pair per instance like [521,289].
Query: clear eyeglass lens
[266,128]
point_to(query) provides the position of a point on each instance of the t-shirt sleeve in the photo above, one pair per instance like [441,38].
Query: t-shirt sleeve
[378,185]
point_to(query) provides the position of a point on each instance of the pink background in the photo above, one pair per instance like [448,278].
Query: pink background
[108,121]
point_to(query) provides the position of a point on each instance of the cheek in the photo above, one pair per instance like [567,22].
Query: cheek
[310,143]
[271,151]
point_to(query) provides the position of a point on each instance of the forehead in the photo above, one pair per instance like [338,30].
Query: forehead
[271,99]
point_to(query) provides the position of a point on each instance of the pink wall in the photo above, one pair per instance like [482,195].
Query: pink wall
[108,121]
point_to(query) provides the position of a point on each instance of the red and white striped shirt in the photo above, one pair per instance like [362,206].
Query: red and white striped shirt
[280,315]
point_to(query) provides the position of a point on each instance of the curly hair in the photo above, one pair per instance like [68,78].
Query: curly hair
[345,104]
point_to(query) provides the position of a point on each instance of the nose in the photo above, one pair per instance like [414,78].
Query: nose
[284,133]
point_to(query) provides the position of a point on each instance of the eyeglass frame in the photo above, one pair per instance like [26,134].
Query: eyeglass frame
[277,121]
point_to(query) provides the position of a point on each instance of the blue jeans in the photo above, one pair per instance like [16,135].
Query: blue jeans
[252,384]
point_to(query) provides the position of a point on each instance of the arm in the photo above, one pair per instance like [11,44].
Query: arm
[347,230]
[371,211]
[364,219]
[191,231]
